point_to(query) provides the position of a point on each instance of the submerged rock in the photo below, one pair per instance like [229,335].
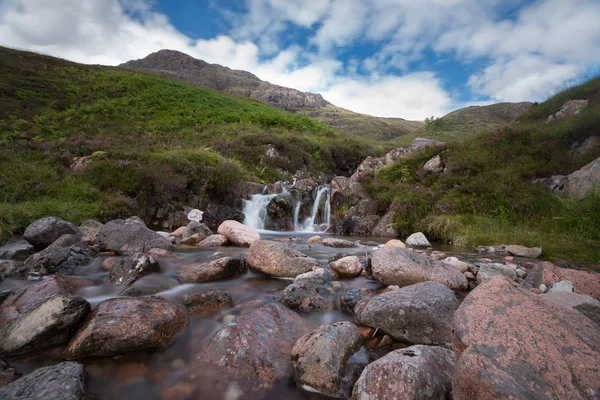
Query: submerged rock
[222,268]
[238,234]
[128,237]
[63,381]
[306,297]
[207,301]
[44,231]
[338,243]
[278,259]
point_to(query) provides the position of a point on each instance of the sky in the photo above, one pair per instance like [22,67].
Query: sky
[392,58]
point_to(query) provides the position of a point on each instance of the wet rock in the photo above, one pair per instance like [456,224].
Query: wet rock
[149,285]
[522,251]
[347,267]
[413,373]
[511,343]
[44,231]
[584,282]
[417,240]
[222,268]
[395,243]
[319,358]
[349,298]
[90,228]
[416,314]
[196,228]
[213,241]
[586,305]
[127,324]
[561,286]
[488,271]
[281,213]
[338,256]
[65,256]
[161,253]
[397,266]
[238,234]
[131,268]
[306,297]
[128,237]
[41,315]
[17,250]
[278,259]
[338,243]
[9,269]
[207,301]
[317,275]
[7,374]
[63,381]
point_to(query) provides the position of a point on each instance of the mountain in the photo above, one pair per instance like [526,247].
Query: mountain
[183,67]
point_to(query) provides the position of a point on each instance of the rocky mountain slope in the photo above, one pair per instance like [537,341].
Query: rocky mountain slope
[183,67]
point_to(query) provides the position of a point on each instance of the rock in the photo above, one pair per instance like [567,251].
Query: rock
[521,251]
[416,314]
[586,305]
[196,228]
[131,268]
[195,215]
[584,180]
[44,231]
[90,228]
[306,297]
[395,243]
[469,275]
[338,243]
[128,237]
[434,165]
[178,232]
[319,358]
[487,271]
[542,288]
[417,240]
[127,324]
[414,373]
[207,301]
[367,169]
[65,256]
[397,266]
[584,282]
[569,109]
[394,155]
[222,268]
[349,298]
[193,240]
[278,259]
[9,269]
[17,250]
[385,226]
[317,275]
[315,239]
[253,349]
[213,241]
[511,343]
[438,255]
[521,273]
[149,285]
[7,374]
[63,381]
[347,267]
[588,145]
[238,234]
[161,253]
[420,143]
[561,286]
[459,265]
[41,315]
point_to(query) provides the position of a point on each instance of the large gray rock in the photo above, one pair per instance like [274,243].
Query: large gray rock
[65,256]
[131,268]
[416,314]
[435,165]
[41,315]
[222,268]
[413,373]
[319,358]
[586,305]
[195,227]
[128,237]
[306,297]
[278,259]
[420,143]
[578,184]
[561,286]
[63,381]
[90,228]
[317,275]
[417,239]
[17,250]
[397,266]
[488,271]
[44,231]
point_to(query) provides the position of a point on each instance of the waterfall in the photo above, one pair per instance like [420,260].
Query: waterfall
[255,210]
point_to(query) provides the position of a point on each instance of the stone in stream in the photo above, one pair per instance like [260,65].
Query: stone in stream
[64,381]
[395,243]
[213,241]
[347,267]
[128,237]
[278,259]
[510,343]
[319,358]
[41,315]
[65,256]
[238,234]
[149,285]
[196,228]
[416,314]
[7,374]
[522,251]
[127,324]
[17,250]
[414,373]
[222,268]
[349,298]
[306,297]
[417,240]
[584,282]
[337,243]
[131,268]
[44,231]
[207,301]
[397,266]
[317,275]
[586,305]
[488,270]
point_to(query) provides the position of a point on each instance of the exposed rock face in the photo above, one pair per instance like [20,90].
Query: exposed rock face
[41,315]
[128,237]
[384,227]
[319,357]
[397,266]
[347,267]
[238,234]
[306,297]
[63,381]
[278,259]
[213,241]
[577,184]
[207,301]
[338,243]
[222,268]
[522,251]
[417,314]
[65,256]
[417,240]
[513,344]
[131,268]
[43,232]
[584,282]
[414,373]
[18,250]
[569,109]
[280,211]
[586,305]
[127,324]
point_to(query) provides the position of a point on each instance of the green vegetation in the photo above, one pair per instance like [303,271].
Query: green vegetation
[486,195]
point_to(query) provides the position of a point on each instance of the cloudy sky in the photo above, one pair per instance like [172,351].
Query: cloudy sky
[401,58]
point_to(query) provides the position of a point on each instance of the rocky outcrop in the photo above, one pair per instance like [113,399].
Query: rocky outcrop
[64,381]
[414,373]
[385,226]
[578,184]
[44,231]
[238,234]
[131,268]
[586,305]
[222,268]
[278,259]
[569,109]
[65,256]
[306,297]
[416,314]
[511,343]
[131,236]
[584,282]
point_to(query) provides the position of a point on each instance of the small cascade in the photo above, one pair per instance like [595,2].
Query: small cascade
[310,224]
[255,210]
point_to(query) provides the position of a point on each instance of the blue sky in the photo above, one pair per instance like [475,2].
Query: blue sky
[394,58]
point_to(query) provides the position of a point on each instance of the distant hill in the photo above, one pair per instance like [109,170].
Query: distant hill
[183,67]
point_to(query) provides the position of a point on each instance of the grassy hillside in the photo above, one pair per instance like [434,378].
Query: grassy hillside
[487,197]
[154,140]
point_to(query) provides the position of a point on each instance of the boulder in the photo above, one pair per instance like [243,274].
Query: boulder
[222,268]
[367,168]
[510,343]
[65,256]
[281,213]
[196,228]
[127,324]
[306,297]
[420,143]
[395,243]
[589,144]
[397,266]
[434,165]
[131,268]
[338,243]
[213,241]
[319,358]
[64,381]
[44,231]
[207,301]
[349,298]
[90,228]
[149,285]
[278,259]
[394,155]
[416,314]
[561,286]
[586,305]
[522,251]
[417,240]
[384,227]
[584,180]
[347,267]
[17,250]
[584,282]
[462,266]
[315,239]
[489,270]
[317,275]
[238,234]
[414,373]
[128,237]
[41,315]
